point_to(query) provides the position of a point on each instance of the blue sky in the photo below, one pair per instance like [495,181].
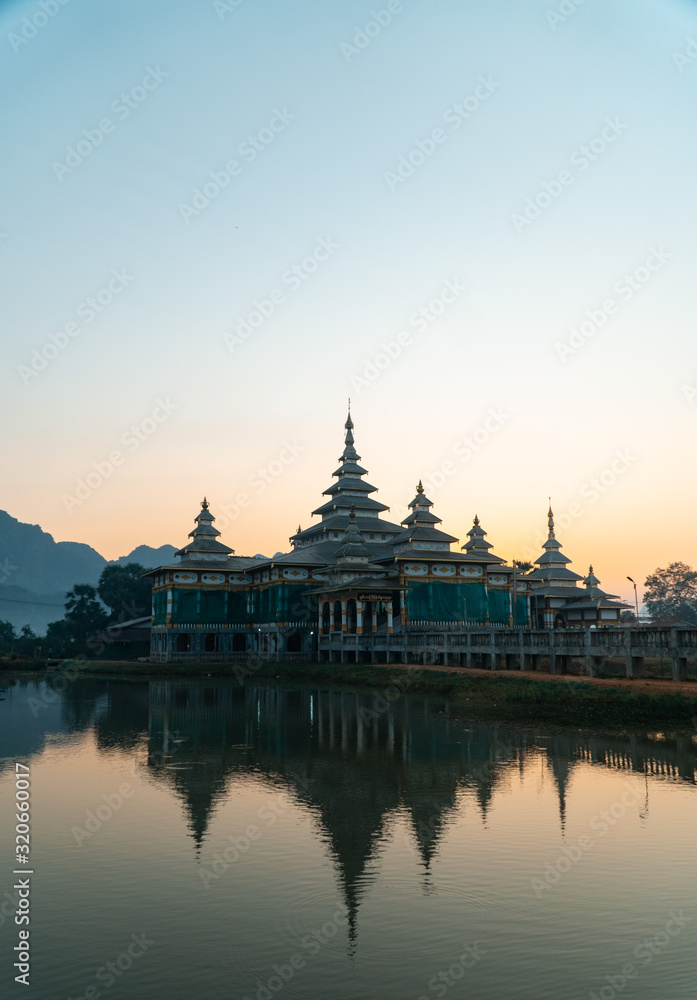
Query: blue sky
[344,121]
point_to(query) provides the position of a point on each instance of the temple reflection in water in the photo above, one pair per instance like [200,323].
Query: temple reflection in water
[355,763]
[318,746]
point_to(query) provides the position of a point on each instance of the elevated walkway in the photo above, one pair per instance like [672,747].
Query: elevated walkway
[517,648]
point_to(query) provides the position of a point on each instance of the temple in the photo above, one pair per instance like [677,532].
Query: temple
[356,587]
[556,598]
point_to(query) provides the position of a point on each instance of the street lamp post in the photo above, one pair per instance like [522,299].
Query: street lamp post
[636,599]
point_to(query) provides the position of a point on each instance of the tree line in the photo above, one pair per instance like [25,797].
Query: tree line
[120,595]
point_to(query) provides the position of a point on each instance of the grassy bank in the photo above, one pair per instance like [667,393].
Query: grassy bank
[495,696]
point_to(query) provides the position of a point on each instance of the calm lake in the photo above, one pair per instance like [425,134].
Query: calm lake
[200,840]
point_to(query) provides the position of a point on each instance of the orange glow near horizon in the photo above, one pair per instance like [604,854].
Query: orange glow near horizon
[613,520]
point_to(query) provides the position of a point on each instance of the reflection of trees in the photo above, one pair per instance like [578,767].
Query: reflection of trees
[82,702]
[31,711]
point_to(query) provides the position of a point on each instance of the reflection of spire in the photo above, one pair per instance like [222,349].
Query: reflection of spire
[430,798]
[644,810]
[485,793]
[560,764]
[198,785]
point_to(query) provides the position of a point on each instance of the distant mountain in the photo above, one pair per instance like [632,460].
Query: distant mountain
[29,557]
[36,571]
[149,557]
[24,607]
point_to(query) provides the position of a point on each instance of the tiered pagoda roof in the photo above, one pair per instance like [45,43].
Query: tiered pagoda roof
[349,490]
[552,574]
[552,578]
[420,532]
[205,544]
[204,548]
[477,547]
[594,597]
[353,549]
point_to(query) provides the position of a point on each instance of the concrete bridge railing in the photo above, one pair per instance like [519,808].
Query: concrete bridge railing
[523,648]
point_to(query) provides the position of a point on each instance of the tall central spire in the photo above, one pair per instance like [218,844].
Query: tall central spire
[553,564]
[350,490]
[350,453]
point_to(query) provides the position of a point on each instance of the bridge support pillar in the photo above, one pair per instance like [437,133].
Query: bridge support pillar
[594,665]
[635,665]
[558,662]
[679,667]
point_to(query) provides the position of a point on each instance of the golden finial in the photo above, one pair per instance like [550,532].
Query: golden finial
[550,519]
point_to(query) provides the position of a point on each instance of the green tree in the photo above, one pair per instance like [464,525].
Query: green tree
[125,592]
[671,593]
[523,565]
[61,638]
[7,636]
[84,612]
[27,642]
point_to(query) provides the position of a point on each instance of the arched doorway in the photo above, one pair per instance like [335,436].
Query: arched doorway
[294,643]
[325,617]
[183,643]
[351,616]
[239,642]
[211,643]
[337,616]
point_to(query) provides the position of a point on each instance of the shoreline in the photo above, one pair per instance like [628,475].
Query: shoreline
[508,695]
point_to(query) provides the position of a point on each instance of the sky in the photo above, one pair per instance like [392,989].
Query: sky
[220,220]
